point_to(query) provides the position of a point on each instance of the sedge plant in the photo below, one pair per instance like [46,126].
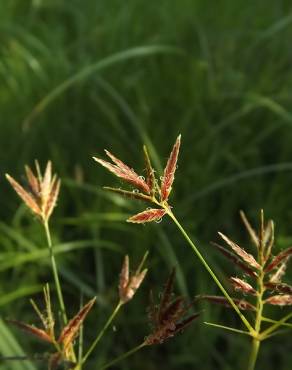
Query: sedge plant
[156,192]
[168,319]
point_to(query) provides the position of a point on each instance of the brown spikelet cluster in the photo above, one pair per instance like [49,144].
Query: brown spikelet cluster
[168,318]
[272,268]
[62,344]
[145,188]
[128,285]
[42,193]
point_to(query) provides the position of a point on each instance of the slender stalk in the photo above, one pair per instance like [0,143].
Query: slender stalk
[260,304]
[123,356]
[55,273]
[276,322]
[275,326]
[253,354]
[80,344]
[103,330]
[208,268]
[227,328]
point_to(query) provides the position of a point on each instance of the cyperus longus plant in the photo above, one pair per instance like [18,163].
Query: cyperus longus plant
[41,198]
[166,319]
[61,345]
[149,189]
[261,282]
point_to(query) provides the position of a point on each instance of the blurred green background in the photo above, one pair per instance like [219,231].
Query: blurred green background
[79,76]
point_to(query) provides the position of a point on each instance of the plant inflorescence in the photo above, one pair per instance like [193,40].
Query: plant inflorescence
[260,284]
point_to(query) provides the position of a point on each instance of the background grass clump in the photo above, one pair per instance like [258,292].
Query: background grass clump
[80,76]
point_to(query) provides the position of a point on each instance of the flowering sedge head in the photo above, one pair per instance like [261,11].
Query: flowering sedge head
[129,284]
[146,188]
[271,267]
[61,344]
[169,317]
[42,193]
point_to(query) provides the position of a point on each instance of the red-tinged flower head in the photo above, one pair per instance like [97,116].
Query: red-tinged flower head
[146,189]
[120,169]
[169,171]
[265,267]
[168,318]
[128,285]
[64,343]
[43,191]
[152,214]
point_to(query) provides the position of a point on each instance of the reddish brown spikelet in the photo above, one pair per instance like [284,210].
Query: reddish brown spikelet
[169,171]
[233,258]
[268,240]
[150,177]
[45,184]
[280,300]
[25,195]
[124,276]
[279,287]
[248,258]
[32,330]
[250,230]
[128,285]
[32,180]
[52,197]
[71,330]
[242,285]
[166,295]
[240,303]
[121,170]
[278,259]
[129,194]
[149,215]
[168,318]
[183,324]
[173,311]
[280,272]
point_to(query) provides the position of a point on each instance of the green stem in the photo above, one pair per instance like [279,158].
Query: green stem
[123,356]
[259,305]
[275,326]
[55,273]
[254,353]
[276,322]
[227,328]
[101,333]
[208,268]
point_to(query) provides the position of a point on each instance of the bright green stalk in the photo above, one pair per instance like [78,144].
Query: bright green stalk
[227,328]
[253,354]
[275,326]
[208,268]
[123,356]
[101,333]
[276,322]
[55,273]
[256,342]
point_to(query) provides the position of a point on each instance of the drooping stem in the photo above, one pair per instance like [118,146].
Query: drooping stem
[123,356]
[55,274]
[210,271]
[103,330]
